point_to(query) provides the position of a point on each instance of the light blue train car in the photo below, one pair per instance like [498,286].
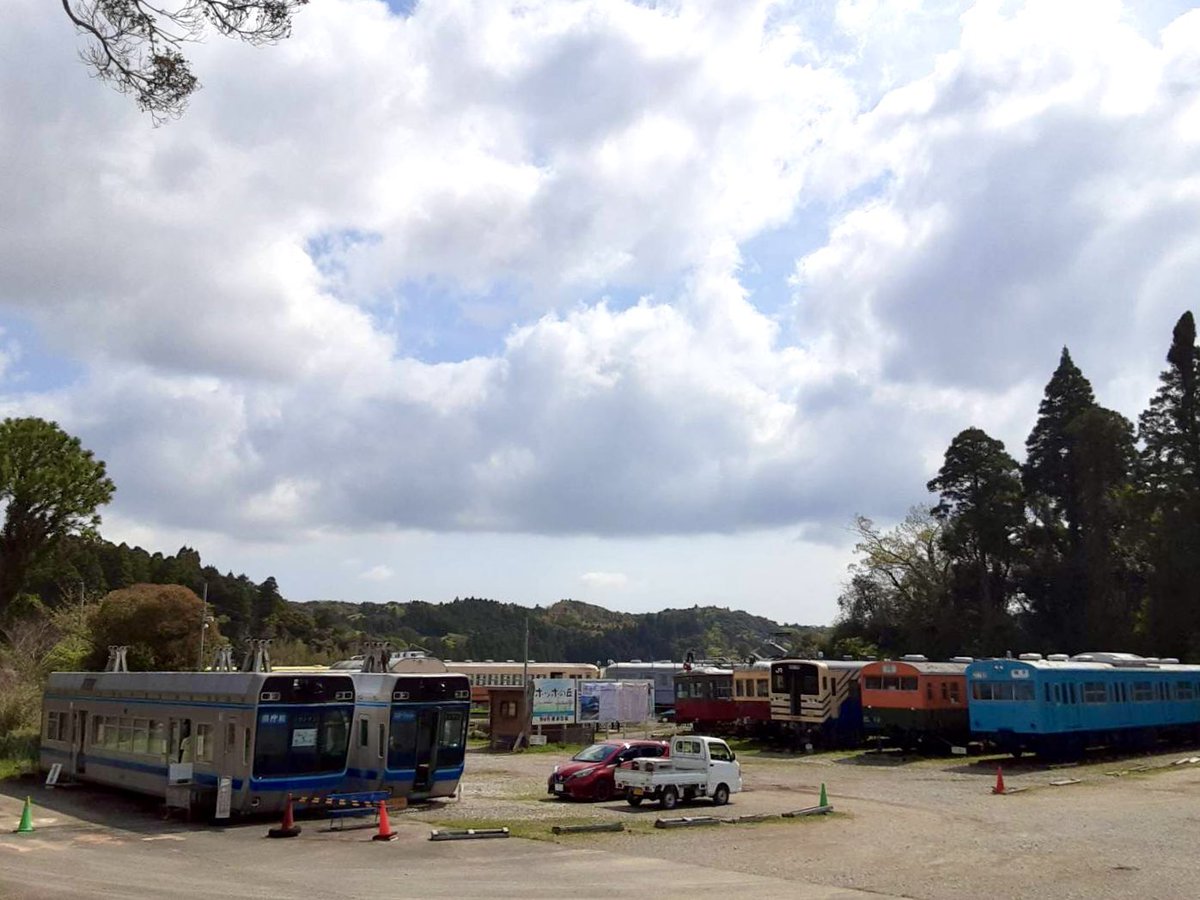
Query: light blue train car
[1059,706]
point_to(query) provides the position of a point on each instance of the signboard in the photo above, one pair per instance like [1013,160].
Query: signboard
[224,796]
[616,701]
[554,701]
[52,777]
[304,737]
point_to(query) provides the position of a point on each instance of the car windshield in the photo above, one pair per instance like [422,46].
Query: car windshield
[594,753]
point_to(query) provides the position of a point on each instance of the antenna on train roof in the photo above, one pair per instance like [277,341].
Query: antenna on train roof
[223,661]
[258,656]
[116,659]
[376,656]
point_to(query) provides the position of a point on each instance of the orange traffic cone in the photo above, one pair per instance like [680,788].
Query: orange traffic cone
[385,827]
[288,828]
[999,788]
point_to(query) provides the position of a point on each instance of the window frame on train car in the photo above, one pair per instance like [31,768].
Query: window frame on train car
[1094,692]
[56,721]
[739,687]
[382,740]
[1003,691]
[364,731]
[1142,691]
[763,687]
[1182,690]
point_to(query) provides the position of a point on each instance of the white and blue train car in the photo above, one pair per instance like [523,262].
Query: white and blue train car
[271,734]
[1060,706]
[410,733]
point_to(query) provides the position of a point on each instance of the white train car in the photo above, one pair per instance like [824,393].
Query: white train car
[271,734]
[410,733]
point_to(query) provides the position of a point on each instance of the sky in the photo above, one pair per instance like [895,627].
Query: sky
[635,303]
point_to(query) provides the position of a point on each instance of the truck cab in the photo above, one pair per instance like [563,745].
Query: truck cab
[698,766]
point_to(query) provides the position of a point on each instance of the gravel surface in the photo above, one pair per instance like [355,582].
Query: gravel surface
[912,827]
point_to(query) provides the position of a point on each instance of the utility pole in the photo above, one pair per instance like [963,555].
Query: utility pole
[203,627]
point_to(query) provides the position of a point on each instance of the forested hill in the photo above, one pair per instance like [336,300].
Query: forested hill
[569,630]
[324,631]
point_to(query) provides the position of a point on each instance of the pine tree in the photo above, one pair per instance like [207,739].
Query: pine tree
[1169,431]
[1050,471]
[982,509]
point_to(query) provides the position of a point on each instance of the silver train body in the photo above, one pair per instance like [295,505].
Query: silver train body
[410,733]
[271,734]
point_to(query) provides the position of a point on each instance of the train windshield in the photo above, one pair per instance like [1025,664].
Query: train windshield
[301,741]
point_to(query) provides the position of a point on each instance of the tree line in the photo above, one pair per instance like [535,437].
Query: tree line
[1091,543]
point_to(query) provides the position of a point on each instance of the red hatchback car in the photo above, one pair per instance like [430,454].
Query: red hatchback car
[588,775]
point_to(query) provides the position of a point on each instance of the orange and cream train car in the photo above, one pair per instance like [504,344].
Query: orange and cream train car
[916,703]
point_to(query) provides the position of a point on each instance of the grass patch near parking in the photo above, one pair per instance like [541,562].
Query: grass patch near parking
[18,754]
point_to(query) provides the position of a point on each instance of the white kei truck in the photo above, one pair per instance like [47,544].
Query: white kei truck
[697,767]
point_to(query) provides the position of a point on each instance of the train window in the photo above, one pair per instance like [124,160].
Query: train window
[364,731]
[1142,691]
[764,689]
[452,736]
[874,683]
[382,739]
[246,747]
[929,690]
[1095,692]
[141,736]
[681,689]
[1071,691]
[230,738]
[954,695]
[55,725]
[125,734]
[1183,690]
[158,738]
[824,684]
[722,691]
[1047,692]
[739,688]
[204,743]
[779,679]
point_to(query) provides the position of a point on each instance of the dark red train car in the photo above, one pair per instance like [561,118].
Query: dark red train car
[704,699]
[917,703]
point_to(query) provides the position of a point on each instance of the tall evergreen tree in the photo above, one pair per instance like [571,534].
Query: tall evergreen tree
[1169,470]
[1050,471]
[982,509]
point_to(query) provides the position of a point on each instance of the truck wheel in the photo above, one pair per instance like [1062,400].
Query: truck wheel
[670,798]
[632,800]
[720,796]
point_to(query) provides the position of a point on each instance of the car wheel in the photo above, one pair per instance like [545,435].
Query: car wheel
[720,796]
[633,800]
[603,791]
[670,798]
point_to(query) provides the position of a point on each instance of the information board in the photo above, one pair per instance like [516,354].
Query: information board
[554,701]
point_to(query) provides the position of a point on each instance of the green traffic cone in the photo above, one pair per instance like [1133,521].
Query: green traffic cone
[26,826]
[824,799]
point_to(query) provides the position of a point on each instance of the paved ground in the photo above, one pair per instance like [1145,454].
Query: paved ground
[902,828]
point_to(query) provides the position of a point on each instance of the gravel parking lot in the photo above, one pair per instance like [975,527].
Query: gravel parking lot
[904,827]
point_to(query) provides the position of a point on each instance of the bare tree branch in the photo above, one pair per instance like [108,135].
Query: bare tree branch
[135,45]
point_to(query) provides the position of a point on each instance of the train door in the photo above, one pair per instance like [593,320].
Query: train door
[78,739]
[426,749]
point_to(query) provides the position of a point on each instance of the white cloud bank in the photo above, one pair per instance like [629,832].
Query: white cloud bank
[239,286]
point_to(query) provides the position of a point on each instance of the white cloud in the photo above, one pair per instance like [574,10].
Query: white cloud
[604,580]
[240,288]
[378,573]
